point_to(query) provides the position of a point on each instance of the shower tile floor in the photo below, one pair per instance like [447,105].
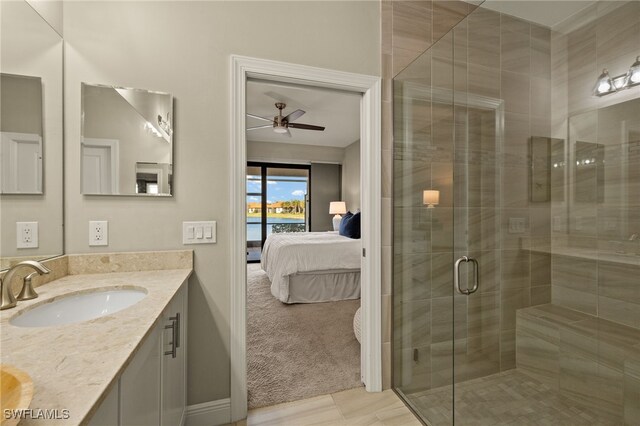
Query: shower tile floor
[509,398]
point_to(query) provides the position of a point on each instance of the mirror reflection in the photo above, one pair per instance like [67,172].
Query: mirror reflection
[31,131]
[127,141]
[21,133]
[605,160]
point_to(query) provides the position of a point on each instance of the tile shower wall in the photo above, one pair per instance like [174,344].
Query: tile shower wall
[484,184]
[407,30]
[596,268]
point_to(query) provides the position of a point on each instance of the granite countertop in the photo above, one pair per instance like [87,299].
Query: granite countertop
[73,366]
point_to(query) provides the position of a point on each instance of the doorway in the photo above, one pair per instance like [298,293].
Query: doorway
[244,68]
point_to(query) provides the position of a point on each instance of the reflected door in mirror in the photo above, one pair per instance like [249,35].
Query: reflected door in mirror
[21,134]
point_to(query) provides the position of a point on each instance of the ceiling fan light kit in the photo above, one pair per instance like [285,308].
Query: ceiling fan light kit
[282,124]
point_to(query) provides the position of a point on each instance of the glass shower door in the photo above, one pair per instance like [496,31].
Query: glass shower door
[448,137]
[424,338]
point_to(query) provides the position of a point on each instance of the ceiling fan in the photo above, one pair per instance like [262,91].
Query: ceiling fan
[282,124]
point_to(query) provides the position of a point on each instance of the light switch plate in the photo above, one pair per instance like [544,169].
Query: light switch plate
[199,232]
[98,233]
[26,235]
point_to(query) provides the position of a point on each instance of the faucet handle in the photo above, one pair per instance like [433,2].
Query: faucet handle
[27,292]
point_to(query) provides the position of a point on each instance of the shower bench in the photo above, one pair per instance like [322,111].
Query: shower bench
[583,357]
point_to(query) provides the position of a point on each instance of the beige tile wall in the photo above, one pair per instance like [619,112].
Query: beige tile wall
[506,59]
[407,30]
[594,216]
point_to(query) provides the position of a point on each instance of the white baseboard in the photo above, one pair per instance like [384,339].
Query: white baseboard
[210,413]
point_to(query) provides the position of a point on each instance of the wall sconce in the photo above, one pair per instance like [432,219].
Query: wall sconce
[337,208]
[605,84]
[430,198]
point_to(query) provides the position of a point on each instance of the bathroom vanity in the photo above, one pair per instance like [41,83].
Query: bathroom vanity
[120,368]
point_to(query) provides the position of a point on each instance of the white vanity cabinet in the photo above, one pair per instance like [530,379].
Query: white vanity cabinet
[174,366]
[152,389]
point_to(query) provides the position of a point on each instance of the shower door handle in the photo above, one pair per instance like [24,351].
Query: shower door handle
[456,276]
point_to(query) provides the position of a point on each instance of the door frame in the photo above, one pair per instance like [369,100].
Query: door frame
[243,68]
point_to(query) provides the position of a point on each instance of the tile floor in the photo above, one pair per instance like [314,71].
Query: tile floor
[509,398]
[350,407]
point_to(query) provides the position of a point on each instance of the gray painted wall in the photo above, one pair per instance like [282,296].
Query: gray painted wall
[184,48]
[325,187]
[351,176]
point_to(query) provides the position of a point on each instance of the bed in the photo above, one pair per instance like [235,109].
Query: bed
[309,267]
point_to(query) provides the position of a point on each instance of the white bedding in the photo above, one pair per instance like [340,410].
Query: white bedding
[299,252]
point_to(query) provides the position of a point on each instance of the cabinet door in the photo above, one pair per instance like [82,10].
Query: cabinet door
[174,368]
[107,413]
[140,384]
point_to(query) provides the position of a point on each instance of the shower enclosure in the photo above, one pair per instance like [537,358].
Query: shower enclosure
[516,287]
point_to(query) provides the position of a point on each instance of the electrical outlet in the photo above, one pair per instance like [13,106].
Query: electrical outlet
[557,223]
[27,235]
[98,233]
[516,225]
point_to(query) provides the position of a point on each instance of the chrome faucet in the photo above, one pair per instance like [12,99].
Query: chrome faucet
[7,298]
[634,237]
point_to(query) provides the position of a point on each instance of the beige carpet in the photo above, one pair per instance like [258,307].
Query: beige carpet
[297,351]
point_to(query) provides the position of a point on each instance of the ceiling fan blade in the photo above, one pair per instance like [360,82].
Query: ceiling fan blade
[294,115]
[288,133]
[270,120]
[266,126]
[305,126]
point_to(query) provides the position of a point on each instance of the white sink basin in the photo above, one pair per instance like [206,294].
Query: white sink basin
[78,307]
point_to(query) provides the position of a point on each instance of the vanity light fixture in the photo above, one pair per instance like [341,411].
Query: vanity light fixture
[430,198]
[151,129]
[605,84]
[633,76]
[165,124]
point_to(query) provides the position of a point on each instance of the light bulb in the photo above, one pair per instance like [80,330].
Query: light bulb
[604,84]
[280,129]
[633,76]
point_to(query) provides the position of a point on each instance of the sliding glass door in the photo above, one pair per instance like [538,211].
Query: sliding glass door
[277,201]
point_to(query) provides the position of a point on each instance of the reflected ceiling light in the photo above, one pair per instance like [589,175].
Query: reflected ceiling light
[605,84]
[165,124]
[151,129]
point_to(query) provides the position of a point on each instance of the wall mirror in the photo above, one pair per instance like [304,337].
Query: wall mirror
[605,159]
[127,141]
[31,131]
[546,168]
